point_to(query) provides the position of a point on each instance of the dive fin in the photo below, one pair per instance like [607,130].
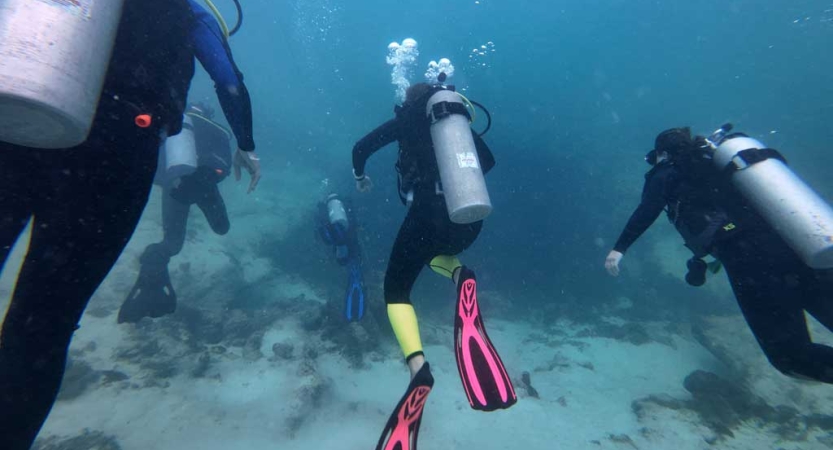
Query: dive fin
[153,294]
[354,299]
[487,385]
[402,428]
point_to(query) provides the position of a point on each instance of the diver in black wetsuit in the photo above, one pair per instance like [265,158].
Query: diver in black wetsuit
[428,236]
[153,294]
[427,231]
[772,285]
[84,203]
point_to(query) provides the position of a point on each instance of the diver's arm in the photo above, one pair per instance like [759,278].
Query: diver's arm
[651,206]
[371,143]
[646,213]
[214,54]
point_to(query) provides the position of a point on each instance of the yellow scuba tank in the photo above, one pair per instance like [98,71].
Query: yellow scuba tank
[53,59]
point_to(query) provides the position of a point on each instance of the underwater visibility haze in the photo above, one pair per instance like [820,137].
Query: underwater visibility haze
[261,352]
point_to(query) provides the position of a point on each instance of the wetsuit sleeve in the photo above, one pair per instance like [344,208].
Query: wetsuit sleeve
[651,206]
[372,142]
[214,54]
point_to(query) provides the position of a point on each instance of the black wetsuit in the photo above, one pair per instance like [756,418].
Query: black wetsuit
[427,231]
[772,285]
[85,202]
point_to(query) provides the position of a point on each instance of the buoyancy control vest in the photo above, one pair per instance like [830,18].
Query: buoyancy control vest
[153,61]
[416,166]
[698,202]
[213,142]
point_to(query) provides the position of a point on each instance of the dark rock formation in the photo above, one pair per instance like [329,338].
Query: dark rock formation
[78,377]
[723,405]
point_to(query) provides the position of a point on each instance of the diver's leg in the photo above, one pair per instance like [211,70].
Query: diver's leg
[411,250]
[214,209]
[81,225]
[408,255]
[174,223]
[771,300]
[450,240]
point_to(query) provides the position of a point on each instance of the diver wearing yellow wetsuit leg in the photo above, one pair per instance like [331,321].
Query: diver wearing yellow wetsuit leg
[429,236]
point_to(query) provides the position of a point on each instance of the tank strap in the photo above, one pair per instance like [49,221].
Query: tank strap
[441,110]
[752,156]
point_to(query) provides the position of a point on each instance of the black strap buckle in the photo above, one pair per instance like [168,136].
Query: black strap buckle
[441,110]
[752,156]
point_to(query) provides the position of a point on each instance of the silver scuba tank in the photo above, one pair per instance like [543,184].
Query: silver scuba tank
[796,212]
[178,155]
[53,59]
[336,212]
[463,185]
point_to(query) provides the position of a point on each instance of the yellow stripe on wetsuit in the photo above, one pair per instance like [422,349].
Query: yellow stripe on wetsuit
[445,265]
[404,322]
[403,317]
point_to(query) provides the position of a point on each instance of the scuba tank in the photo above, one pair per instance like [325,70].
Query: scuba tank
[336,212]
[463,185]
[796,212]
[177,155]
[54,57]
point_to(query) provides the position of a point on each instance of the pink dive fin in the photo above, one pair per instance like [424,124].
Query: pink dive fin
[402,428]
[484,377]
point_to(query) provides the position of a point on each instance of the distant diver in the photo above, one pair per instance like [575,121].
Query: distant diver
[337,226]
[191,165]
[441,165]
[731,197]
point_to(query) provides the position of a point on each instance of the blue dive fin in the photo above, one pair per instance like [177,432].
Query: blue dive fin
[354,299]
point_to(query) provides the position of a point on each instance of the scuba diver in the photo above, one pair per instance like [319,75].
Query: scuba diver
[731,197]
[337,226]
[210,36]
[153,295]
[208,144]
[83,200]
[441,165]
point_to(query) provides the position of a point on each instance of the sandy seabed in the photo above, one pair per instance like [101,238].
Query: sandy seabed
[147,387]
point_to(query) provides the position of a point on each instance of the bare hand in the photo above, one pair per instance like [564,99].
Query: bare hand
[251,163]
[612,262]
[364,185]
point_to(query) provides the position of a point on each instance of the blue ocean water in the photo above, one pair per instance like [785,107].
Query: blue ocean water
[577,91]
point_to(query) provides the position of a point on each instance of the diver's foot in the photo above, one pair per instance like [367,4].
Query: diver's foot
[415,364]
[402,429]
[138,306]
[152,296]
